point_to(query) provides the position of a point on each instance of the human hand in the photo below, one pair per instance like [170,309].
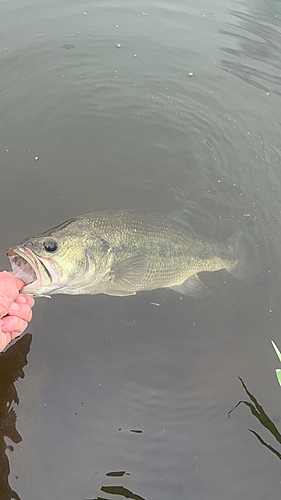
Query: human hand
[15,308]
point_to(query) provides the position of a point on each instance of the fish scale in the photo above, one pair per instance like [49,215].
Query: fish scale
[122,252]
[171,246]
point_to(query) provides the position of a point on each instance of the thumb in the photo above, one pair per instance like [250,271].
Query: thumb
[9,279]
[9,291]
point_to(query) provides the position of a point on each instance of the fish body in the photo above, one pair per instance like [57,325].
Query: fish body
[123,252]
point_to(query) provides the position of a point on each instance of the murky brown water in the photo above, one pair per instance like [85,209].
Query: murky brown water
[156,107]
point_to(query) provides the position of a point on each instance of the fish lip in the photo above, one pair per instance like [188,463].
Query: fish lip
[34,261]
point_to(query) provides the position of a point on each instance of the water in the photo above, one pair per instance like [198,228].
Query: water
[156,107]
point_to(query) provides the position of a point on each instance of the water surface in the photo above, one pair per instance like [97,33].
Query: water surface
[154,107]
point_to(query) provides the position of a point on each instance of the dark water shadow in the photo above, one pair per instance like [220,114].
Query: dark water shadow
[258,412]
[257,42]
[118,490]
[12,362]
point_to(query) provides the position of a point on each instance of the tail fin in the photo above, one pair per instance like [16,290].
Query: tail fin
[249,267]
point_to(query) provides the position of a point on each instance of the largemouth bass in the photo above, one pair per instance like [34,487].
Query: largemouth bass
[123,252]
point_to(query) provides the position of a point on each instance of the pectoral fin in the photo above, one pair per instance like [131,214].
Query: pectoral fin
[192,287]
[126,275]
[182,215]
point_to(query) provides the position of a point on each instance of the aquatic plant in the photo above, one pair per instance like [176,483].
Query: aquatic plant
[278,370]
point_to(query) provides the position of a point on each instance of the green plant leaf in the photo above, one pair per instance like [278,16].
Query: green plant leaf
[46,296]
[278,375]
[276,350]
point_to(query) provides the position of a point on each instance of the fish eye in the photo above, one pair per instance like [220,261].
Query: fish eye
[50,245]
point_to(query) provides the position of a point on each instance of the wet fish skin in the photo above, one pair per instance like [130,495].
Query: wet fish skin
[123,252]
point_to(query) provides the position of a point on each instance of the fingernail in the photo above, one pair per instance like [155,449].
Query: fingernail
[21,299]
[14,307]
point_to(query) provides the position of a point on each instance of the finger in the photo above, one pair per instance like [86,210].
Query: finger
[4,340]
[13,325]
[10,280]
[25,299]
[7,296]
[9,291]
[22,311]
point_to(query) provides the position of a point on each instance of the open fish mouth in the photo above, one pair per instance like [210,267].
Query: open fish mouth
[30,269]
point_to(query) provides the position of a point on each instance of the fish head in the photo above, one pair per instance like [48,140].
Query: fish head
[66,259]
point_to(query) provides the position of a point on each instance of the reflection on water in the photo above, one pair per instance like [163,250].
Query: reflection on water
[12,363]
[258,412]
[120,490]
[157,108]
[117,489]
[257,43]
